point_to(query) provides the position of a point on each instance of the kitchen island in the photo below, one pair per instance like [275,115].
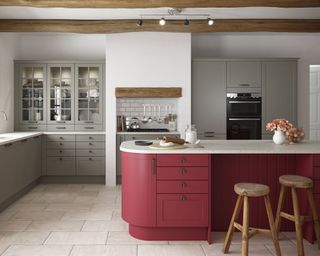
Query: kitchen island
[187,193]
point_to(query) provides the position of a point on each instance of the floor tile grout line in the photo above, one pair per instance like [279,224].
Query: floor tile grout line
[72,247]
[44,242]
[204,252]
[269,250]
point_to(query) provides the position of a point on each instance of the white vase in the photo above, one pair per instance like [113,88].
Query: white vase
[279,137]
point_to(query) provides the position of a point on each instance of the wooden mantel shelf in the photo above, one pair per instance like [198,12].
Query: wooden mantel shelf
[148,92]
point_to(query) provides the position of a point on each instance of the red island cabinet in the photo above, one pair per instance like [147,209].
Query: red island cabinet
[167,196]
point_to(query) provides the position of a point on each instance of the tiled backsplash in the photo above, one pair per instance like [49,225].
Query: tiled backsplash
[134,107]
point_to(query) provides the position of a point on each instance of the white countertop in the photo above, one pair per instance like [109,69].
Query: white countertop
[231,147]
[136,133]
[6,138]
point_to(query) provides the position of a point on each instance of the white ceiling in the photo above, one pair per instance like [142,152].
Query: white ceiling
[218,13]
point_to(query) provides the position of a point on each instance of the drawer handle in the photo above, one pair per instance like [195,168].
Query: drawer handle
[183,160]
[61,128]
[90,159]
[61,144]
[32,128]
[153,167]
[183,198]
[90,151]
[184,184]
[60,151]
[90,138]
[90,144]
[89,128]
[61,138]
[244,85]
[183,171]
[60,158]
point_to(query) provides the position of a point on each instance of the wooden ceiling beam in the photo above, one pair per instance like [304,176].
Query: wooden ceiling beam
[196,26]
[160,3]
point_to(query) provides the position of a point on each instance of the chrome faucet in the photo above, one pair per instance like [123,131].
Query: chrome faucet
[4,115]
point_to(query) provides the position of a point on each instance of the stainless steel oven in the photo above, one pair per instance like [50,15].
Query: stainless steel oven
[244,116]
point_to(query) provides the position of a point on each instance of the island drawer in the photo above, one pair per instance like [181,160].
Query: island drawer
[90,138]
[167,187]
[90,145]
[182,160]
[90,166]
[182,210]
[90,152]
[61,152]
[62,137]
[61,145]
[61,166]
[182,173]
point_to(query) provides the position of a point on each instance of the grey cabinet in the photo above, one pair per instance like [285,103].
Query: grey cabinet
[59,97]
[75,155]
[279,91]
[209,98]
[21,165]
[243,74]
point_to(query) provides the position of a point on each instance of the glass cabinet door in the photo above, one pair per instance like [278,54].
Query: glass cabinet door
[88,94]
[60,79]
[32,86]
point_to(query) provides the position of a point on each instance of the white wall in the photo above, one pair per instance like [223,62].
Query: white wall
[53,46]
[145,60]
[7,53]
[303,46]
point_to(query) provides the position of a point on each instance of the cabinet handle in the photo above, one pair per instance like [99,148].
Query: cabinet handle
[90,151]
[90,144]
[90,138]
[88,122]
[61,122]
[90,159]
[32,128]
[133,138]
[61,138]
[183,198]
[60,151]
[61,128]
[184,184]
[60,158]
[183,171]
[61,144]
[183,160]
[244,85]
[89,127]
[153,166]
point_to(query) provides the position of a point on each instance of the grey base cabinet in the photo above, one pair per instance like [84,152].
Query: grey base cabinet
[75,155]
[20,166]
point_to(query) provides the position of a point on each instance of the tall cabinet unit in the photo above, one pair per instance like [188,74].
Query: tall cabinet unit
[31,92]
[209,98]
[61,97]
[89,104]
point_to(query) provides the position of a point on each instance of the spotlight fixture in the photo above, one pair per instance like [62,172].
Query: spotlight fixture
[139,23]
[186,22]
[162,22]
[210,21]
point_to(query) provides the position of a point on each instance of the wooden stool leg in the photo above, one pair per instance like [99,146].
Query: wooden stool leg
[279,208]
[314,215]
[245,227]
[231,228]
[272,225]
[297,222]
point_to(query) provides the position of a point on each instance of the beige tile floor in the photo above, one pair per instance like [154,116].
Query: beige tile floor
[83,220]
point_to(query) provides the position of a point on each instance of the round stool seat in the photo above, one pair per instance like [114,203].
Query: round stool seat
[251,189]
[295,181]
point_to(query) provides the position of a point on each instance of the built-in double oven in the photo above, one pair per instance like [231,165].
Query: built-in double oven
[244,116]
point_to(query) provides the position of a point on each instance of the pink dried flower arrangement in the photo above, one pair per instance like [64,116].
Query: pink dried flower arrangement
[295,135]
[279,124]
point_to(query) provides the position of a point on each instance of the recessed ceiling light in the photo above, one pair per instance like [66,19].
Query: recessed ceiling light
[162,22]
[210,21]
[139,23]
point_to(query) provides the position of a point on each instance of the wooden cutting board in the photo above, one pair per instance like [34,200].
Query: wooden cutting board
[157,146]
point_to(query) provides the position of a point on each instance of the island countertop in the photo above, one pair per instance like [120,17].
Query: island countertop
[231,147]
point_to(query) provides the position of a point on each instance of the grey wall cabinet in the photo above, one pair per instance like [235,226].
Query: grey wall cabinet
[279,79]
[75,155]
[59,96]
[21,162]
[243,74]
[209,98]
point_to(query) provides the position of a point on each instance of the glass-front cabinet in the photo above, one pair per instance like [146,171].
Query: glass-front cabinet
[61,91]
[88,95]
[32,91]
[57,96]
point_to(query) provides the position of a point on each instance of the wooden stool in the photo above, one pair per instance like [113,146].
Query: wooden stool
[246,190]
[294,182]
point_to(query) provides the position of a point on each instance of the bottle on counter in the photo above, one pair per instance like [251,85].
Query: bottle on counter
[191,134]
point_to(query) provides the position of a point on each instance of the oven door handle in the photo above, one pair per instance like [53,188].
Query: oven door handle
[241,102]
[244,119]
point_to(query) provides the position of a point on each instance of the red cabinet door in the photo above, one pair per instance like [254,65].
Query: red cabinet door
[139,189]
[182,210]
